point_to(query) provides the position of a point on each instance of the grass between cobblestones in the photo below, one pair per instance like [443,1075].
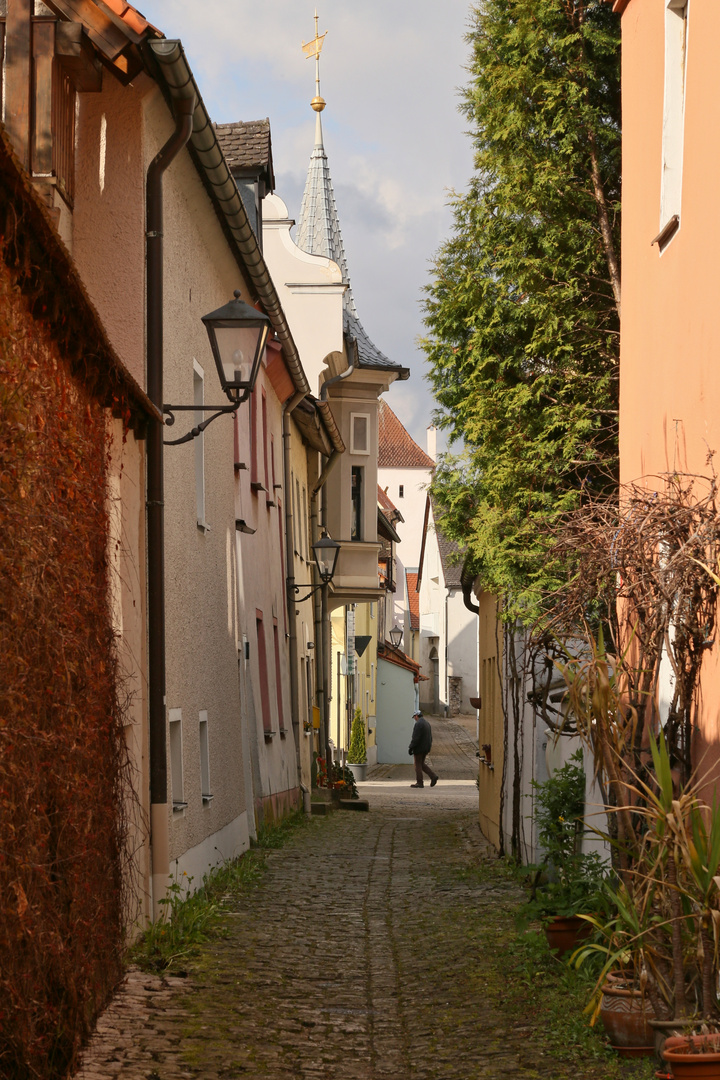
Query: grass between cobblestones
[530,985]
[192,918]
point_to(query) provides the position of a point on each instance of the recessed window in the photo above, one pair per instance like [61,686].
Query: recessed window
[359,433]
[401,491]
[263,672]
[205,758]
[357,498]
[676,34]
[176,760]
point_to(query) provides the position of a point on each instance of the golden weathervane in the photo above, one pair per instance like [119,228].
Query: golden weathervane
[314,48]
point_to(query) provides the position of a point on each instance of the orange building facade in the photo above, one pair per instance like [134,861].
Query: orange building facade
[670,336]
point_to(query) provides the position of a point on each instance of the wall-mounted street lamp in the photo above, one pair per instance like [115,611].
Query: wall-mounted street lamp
[396,636]
[326,551]
[238,334]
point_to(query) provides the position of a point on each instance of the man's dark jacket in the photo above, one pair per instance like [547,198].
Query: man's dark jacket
[421,741]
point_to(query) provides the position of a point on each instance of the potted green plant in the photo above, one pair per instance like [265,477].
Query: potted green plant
[565,885]
[357,751]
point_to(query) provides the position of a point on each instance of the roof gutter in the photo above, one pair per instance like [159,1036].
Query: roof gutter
[170,64]
[330,426]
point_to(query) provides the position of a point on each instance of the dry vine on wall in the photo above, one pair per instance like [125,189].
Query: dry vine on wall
[62,752]
[632,624]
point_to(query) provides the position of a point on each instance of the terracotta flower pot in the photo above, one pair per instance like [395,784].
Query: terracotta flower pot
[694,1057]
[625,1016]
[565,934]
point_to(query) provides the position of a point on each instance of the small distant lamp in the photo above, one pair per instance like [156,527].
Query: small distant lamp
[396,636]
[326,551]
[238,334]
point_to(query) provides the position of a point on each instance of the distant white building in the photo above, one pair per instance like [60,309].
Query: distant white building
[404,474]
[448,644]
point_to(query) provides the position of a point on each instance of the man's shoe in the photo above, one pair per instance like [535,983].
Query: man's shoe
[434,781]
[417,785]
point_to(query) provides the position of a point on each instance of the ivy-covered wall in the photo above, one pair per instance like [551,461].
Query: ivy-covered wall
[62,752]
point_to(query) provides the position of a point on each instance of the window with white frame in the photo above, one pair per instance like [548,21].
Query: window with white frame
[676,36]
[176,760]
[359,433]
[199,401]
[205,758]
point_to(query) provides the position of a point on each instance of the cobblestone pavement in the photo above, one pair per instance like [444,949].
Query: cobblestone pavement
[358,955]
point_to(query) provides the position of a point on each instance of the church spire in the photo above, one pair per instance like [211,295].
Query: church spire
[318,227]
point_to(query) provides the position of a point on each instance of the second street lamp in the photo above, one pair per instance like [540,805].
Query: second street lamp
[326,551]
[396,635]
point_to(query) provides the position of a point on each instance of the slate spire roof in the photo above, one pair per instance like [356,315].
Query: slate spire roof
[318,233]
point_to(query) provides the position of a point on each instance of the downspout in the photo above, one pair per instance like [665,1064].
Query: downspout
[322,645]
[288,408]
[159,823]
[323,615]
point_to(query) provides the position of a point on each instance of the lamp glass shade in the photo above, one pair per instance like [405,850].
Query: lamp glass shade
[237,334]
[396,636]
[326,551]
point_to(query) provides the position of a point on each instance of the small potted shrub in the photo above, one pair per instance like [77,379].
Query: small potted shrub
[567,883]
[357,752]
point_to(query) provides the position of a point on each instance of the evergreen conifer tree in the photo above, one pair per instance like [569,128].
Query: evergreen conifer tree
[522,312]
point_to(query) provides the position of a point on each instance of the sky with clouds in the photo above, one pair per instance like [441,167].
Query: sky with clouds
[396,144]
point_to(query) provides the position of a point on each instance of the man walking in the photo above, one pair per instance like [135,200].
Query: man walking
[420,746]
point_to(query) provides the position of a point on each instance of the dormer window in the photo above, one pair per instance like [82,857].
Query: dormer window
[45,63]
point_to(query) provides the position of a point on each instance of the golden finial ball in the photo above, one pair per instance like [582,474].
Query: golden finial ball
[318,104]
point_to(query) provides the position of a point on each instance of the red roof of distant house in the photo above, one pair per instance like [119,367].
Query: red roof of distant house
[389,652]
[411,579]
[384,499]
[396,448]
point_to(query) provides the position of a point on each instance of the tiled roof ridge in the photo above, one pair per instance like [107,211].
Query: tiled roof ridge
[411,578]
[396,446]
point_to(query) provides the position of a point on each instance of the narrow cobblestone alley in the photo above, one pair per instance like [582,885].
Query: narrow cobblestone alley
[357,956]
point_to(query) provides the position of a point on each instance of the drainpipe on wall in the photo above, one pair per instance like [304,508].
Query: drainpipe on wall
[288,408]
[159,824]
[322,657]
[325,610]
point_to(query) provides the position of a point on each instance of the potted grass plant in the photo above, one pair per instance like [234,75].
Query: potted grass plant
[665,925]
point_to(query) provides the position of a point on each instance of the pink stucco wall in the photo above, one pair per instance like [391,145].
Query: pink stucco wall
[670,343]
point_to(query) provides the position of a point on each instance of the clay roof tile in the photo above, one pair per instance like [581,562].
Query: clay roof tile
[134,19]
[396,448]
[411,579]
